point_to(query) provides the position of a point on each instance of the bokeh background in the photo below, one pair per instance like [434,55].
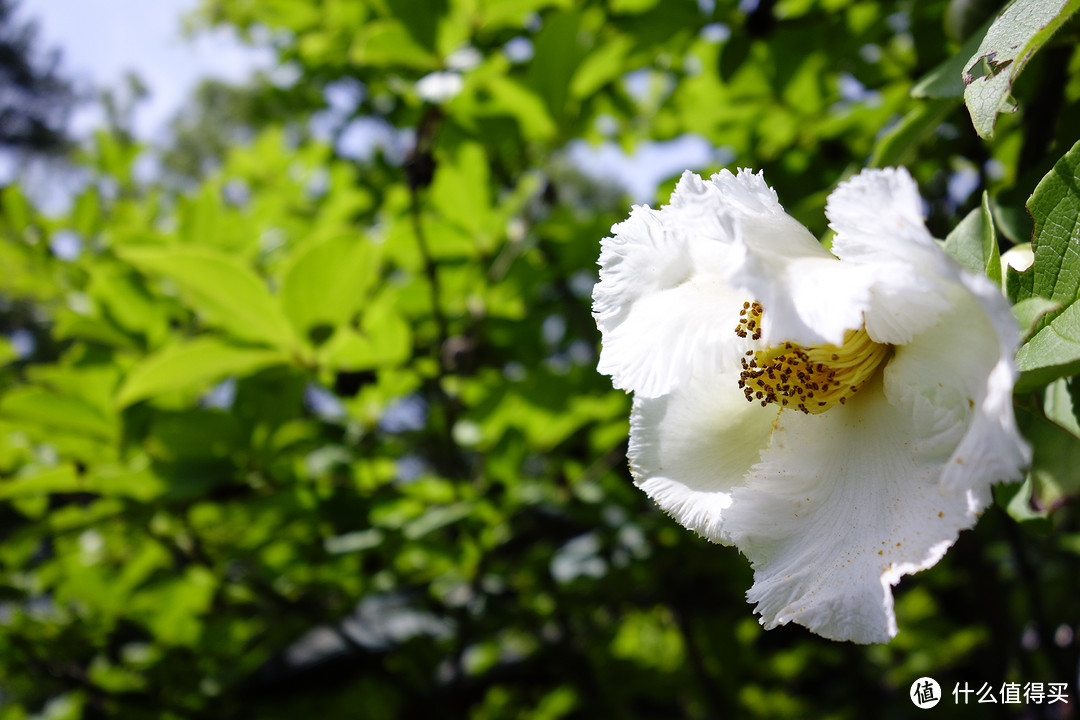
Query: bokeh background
[299,414]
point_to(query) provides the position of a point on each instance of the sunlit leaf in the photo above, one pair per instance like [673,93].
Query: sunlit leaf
[224,291]
[1054,349]
[56,412]
[1022,29]
[60,479]
[326,283]
[192,366]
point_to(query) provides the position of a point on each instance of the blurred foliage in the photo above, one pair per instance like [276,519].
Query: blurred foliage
[320,434]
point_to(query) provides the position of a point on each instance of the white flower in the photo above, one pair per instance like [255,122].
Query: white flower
[439,87]
[879,378]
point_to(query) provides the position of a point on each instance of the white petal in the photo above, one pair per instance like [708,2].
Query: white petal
[1018,257]
[642,257]
[956,379]
[842,505]
[809,297]
[670,336]
[662,315]
[877,216]
[878,222]
[689,449]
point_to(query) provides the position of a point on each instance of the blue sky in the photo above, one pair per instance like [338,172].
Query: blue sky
[102,40]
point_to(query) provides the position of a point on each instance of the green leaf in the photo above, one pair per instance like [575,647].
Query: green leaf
[513,13]
[603,65]
[384,342]
[57,413]
[436,518]
[733,54]
[632,6]
[946,81]
[897,146]
[61,479]
[558,52]
[388,42]
[192,366]
[420,17]
[172,609]
[7,352]
[1014,37]
[1059,404]
[1056,455]
[221,289]
[17,211]
[523,104]
[973,243]
[125,302]
[1054,349]
[87,212]
[461,192]
[1052,352]
[1015,498]
[326,282]
[1028,313]
[1055,242]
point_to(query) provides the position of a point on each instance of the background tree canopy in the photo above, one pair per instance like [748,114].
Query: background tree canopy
[310,426]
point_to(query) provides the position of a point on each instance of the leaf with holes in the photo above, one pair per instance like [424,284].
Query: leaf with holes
[1016,35]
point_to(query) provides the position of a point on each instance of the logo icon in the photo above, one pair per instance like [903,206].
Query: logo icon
[925,693]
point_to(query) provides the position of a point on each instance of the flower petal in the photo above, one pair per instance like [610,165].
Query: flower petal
[878,222]
[688,449]
[671,335]
[956,380]
[809,297]
[641,258]
[661,316]
[830,526]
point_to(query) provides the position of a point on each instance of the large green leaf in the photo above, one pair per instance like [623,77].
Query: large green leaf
[1055,208]
[191,366]
[220,288]
[558,53]
[1016,35]
[57,412]
[326,283]
[1054,349]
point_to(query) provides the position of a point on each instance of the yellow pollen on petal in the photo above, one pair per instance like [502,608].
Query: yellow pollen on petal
[810,379]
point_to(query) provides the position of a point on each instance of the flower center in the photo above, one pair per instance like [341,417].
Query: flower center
[810,379]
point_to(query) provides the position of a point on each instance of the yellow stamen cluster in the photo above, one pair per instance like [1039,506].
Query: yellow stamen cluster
[808,379]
